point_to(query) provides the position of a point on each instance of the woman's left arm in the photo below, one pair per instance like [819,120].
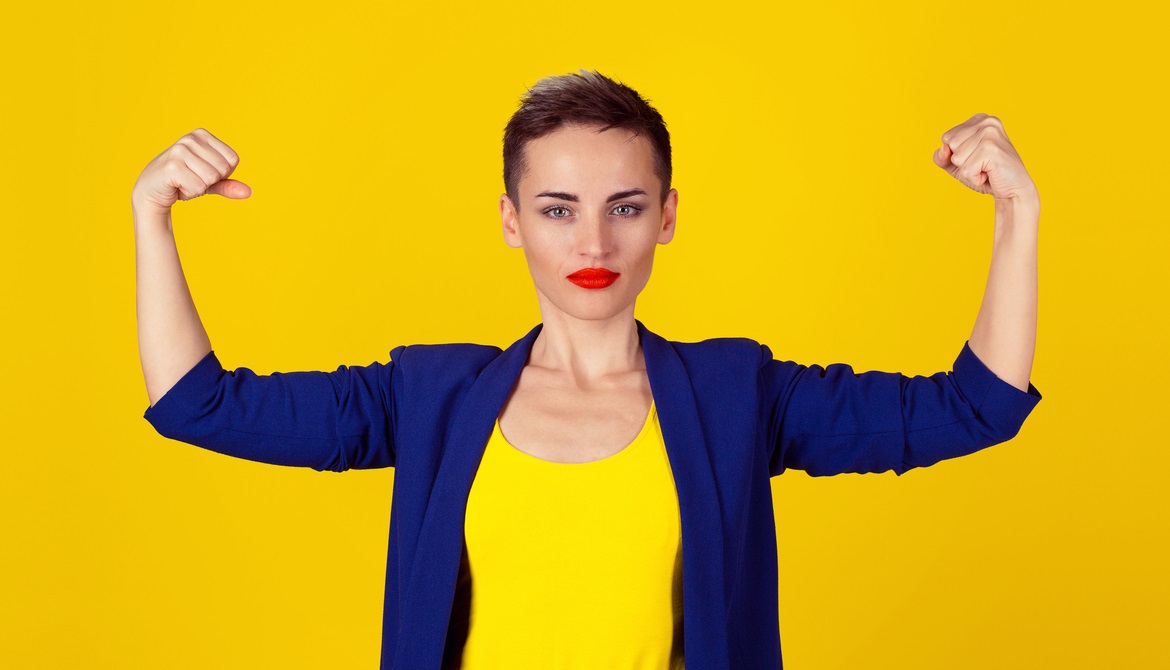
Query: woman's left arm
[979,154]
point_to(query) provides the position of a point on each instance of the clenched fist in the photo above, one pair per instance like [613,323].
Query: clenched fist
[978,153]
[197,163]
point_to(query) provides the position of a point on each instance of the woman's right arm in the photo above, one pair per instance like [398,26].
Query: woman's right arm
[324,420]
[171,338]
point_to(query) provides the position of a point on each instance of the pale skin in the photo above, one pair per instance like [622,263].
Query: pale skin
[978,153]
[584,394]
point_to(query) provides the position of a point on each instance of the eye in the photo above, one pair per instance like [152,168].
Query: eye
[557,212]
[626,210]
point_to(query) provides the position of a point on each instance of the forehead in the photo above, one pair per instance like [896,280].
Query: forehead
[584,159]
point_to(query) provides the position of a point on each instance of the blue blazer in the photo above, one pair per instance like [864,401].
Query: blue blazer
[731,417]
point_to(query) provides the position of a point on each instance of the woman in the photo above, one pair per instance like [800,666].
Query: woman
[548,496]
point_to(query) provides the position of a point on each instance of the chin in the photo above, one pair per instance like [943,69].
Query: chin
[588,304]
[593,308]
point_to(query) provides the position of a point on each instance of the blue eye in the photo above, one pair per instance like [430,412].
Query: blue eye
[552,211]
[630,209]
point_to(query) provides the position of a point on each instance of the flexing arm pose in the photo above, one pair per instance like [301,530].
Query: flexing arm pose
[171,338]
[978,154]
[834,420]
[324,420]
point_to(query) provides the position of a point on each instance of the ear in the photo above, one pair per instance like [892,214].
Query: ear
[511,221]
[669,211]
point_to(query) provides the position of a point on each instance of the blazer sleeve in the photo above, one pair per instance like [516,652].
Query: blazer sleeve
[322,420]
[831,420]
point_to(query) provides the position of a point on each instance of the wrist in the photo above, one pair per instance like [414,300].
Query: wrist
[151,217]
[1024,202]
[1018,212]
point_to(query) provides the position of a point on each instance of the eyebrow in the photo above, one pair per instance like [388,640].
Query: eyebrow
[561,195]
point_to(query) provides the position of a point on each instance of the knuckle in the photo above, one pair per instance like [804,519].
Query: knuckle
[208,177]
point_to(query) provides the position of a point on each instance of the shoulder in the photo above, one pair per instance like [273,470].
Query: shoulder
[443,360]
[723,373]
[721,353]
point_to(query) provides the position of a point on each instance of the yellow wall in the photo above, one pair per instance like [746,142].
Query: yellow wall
[371,136]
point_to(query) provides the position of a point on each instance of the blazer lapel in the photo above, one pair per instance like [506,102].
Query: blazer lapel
[431,588]
[704,609]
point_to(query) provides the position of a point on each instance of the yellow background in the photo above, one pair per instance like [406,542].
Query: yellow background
[811,219]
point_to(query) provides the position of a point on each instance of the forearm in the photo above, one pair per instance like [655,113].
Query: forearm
[1004,334]
[171,338]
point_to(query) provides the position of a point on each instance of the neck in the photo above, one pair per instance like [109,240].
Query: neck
[589,349]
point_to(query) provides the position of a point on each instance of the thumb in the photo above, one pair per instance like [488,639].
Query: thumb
[230,188]
[942,157]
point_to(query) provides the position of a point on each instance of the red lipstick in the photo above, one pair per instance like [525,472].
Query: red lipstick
[593,277]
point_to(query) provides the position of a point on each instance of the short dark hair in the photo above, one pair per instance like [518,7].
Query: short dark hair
[584,98]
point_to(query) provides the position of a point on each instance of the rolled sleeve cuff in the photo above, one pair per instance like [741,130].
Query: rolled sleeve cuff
[998,403]
[172,410]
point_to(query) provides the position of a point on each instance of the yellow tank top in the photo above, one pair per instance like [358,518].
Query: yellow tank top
[574,565]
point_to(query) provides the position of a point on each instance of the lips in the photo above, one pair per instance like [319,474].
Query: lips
[593,277]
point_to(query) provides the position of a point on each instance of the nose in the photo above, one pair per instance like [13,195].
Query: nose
[594,237]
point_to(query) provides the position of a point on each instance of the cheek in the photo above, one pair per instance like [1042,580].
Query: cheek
[544,255]
[643,249]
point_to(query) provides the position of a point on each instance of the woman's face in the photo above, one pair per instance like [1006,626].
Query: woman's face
[589,200]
